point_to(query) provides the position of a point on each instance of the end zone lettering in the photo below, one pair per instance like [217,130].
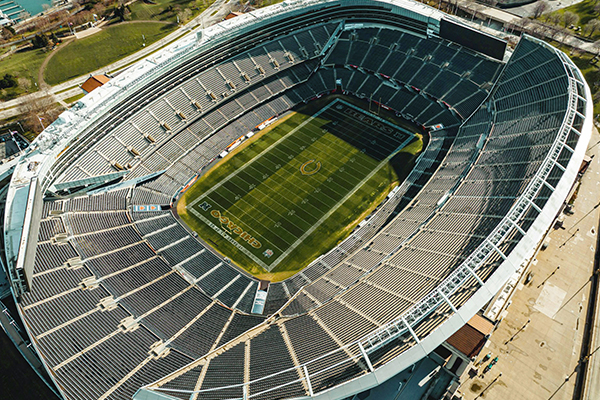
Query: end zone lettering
[236,229]
[368,120]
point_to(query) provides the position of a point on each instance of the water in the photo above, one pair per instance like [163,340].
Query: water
[32,6]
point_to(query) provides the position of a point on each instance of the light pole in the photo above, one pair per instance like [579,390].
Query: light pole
[517,332]
[549,276]
[489,386]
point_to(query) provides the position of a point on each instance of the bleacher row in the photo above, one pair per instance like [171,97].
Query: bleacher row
[471,191]
[144,280]
[112,254]
[139,140]
[107,256]
[434,66]
[420,106]
[201,91]
[322,81]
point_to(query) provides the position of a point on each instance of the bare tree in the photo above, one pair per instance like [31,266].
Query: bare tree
[23,15]
[522,24]
[24,83]
[554,30]
[570,18]
[553,18]
[38,111]
[537,29]
[591,27]
[562,34]
[539,8]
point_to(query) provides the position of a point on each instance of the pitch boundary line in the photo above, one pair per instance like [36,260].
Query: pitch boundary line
[212,189]
[339,179]
[231,240]
[409,137]
[261,213]
[346,197]
[251,217]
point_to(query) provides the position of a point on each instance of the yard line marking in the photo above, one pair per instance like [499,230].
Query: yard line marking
[231,240]
[253,196]
[313,117]
[245,213]
[252,217]
[346,197]
[337,183]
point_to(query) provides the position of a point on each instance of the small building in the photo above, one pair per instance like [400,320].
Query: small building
[233,14]
[457,354]
[469,339]
[93,82]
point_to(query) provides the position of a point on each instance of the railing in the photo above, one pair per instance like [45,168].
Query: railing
[402,325]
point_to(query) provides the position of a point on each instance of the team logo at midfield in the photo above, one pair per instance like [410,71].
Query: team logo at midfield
[308,169]
[268,253]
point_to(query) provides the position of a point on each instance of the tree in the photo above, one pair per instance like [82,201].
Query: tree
[562,34]
[539,8]
[8,81]
[597,8]
[554,30]
[591,27]
[23,15]
[25,84]
[184,15]
[33,108]
[40,41]
[570,18]
[553,18]
[120,12]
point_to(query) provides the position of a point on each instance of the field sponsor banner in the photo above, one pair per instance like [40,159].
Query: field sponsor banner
[146,208]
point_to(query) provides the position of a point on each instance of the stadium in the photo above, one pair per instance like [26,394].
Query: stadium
[456,152]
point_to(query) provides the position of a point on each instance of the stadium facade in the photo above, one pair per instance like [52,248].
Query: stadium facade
[120,300]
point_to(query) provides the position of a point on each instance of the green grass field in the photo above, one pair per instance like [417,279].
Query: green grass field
[160,10]
[113,43]
[23,64]
[298,190]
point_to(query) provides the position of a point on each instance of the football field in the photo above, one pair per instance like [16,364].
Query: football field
[292,194]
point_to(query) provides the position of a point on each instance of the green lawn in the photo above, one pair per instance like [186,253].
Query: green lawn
[73,99]
[298,190]
[22,64]
[585,10]
[161,11]
[85,55]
